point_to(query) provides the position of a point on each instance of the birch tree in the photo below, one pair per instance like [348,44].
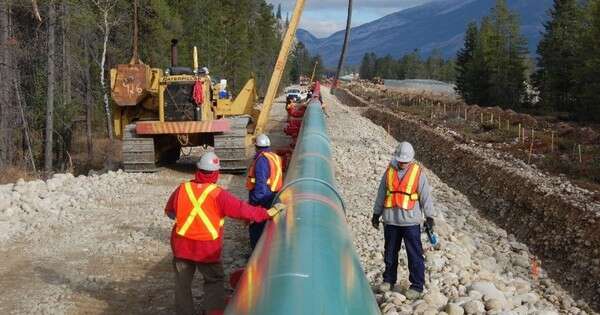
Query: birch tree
[105,8]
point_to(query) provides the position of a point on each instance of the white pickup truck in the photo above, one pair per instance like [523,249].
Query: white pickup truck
[296,94]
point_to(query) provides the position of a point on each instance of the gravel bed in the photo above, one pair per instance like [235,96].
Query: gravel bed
[480,268]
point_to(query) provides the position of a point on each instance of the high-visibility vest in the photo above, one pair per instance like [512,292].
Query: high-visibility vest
[198,215]
[275,181]
[402,193]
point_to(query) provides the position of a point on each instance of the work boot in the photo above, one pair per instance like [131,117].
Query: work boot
[385,287]
[413,294]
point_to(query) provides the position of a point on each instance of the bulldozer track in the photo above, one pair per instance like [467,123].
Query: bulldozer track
[138,152]
[231,146]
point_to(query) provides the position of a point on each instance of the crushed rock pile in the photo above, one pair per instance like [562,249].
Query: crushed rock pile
[38,205]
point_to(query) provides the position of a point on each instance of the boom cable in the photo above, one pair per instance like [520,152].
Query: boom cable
[344,46]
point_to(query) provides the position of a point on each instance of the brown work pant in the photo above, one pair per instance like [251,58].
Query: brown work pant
[214,289]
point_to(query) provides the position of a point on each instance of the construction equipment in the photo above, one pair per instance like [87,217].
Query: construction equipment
[156,112]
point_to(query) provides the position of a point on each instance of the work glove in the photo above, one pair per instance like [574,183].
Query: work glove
[429,224]
[375,221]
[276,209]
[171,215]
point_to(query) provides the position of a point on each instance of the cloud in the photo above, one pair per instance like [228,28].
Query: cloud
[324,17]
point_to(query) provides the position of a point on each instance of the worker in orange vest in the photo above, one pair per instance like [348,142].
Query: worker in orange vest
[265,179]
[404,201]
[199,208]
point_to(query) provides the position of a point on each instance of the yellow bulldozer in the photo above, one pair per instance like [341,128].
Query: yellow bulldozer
[158,112]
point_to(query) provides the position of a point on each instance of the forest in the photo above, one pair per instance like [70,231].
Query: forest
[410,66]
[493,64]
[55,56]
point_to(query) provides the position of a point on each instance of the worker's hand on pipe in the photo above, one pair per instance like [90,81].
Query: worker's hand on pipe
[375,221]
[276,209]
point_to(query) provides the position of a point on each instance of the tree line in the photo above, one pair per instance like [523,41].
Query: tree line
[410,66]
[493,64]
[568,78]
[302,63]
[55,56]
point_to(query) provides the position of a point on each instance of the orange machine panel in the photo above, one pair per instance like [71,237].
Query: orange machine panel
[181,127]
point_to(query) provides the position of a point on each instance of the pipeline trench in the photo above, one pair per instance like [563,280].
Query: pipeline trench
[100,244]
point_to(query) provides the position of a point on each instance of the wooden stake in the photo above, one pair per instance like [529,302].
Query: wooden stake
[466,113]
[579,148]
[508,124]
[492,118]
[531,147]
[481,117]
[444,109]
[552,142]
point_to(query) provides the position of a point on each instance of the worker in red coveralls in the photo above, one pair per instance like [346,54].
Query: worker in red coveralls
[199,207]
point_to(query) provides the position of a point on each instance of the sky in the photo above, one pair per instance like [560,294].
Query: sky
[324,17]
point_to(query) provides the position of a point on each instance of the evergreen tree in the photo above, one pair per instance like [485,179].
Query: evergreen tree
[588,72]
[434,65]
[384,67]
[278,15]
[300,62]
[508,51]
[558,57]
[367,66]
[465,66]
[412,65]
[491,67]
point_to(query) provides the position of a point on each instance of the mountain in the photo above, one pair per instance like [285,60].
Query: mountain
[439,24]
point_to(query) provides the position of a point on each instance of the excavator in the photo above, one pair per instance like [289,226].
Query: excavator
[158,112]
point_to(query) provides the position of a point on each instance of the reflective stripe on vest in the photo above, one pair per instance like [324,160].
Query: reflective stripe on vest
[402,193]
[275,180]
[197,211]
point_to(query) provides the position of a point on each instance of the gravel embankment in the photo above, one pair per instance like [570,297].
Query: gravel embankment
[480,268]
[96,244]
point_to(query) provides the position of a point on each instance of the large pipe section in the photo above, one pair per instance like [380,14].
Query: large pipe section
[305,262]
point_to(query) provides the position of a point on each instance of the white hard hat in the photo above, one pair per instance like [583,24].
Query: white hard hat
[209,162]
[263,141]
[404,153]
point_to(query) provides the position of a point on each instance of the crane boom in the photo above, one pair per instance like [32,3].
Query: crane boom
[263,117]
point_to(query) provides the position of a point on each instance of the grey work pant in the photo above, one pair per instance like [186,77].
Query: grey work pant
[214,289]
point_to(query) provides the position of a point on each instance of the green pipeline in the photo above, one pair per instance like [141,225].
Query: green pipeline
[305,262]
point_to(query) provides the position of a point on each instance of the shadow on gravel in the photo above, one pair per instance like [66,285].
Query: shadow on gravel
[152,293]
